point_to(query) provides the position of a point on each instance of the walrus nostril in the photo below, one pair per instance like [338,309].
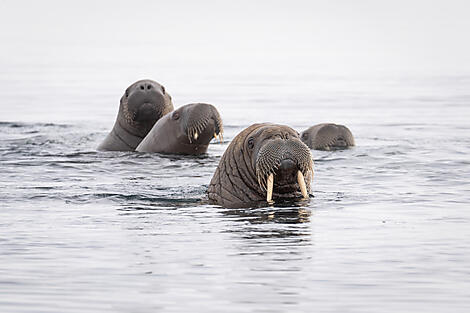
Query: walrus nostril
[149,87]
[142,87]
[287,164]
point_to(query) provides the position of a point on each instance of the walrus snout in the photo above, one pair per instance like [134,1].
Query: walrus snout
[146,112]
[145,100]
[288,165]
[285,176]
[140,96]
[145,85]
[283,166]
[202,123]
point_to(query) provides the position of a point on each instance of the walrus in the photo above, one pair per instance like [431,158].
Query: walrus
[143,103]
[327,136]
[187,130]
[264,162]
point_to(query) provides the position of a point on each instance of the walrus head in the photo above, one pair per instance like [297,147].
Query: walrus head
[199,122]
[187,130]
[264,162]
[143,103]
[328,136]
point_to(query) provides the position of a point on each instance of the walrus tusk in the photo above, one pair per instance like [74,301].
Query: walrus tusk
[215,136]
[269,189]
[301,181]
[196,135]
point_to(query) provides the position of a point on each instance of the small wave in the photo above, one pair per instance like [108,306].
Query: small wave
[31,125]
[176,196]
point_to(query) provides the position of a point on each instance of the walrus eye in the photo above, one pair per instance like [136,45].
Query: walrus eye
[251,143]
[304,135]
[175,115]
[163,90]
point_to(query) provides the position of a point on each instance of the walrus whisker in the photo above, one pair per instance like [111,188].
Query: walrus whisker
[190,136]
[194,130]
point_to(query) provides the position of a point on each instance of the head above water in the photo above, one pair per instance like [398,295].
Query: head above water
[142,104]
[264,162]
[328,136]
[187,130]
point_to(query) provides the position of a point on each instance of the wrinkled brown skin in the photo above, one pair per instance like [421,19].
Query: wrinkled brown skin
[235,182]
[174,133]
[142,105]
[328,136]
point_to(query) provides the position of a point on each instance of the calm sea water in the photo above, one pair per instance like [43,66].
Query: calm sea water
[83,231]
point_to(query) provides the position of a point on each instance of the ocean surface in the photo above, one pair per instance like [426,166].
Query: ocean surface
[387,228]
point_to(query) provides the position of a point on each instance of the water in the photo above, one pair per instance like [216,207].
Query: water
[86,231]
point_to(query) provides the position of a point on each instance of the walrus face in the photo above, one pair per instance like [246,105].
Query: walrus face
[143,103]
[197,123]
[328,136]
[264,161]
[282,163]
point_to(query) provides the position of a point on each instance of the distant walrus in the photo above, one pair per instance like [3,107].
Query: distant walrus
[263,162]
[328,136]
[143,103]
[187,130]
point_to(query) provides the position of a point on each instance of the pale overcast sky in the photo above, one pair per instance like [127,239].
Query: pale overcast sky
[328,36]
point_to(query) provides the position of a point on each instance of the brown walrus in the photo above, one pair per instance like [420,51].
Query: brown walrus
[187,130]
[263,162]
[143,103]
[327,136]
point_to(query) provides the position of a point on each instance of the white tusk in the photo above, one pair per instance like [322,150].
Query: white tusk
[303,187]
[196,135]
[269,189]
[215,136]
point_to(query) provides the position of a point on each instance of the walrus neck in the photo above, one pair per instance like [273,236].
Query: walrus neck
[245,190]
[127,135]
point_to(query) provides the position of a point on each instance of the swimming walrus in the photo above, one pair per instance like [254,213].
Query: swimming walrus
[327,136]
[187,130]
[264,162]
[143,103]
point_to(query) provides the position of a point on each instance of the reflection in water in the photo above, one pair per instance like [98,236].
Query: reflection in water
[280,215]
[277,234]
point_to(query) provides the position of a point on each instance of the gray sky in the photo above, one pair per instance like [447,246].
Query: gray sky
[325,36]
